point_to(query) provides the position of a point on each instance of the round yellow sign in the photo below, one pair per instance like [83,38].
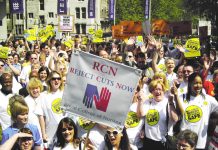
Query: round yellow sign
[132,120]
[85,124]
[152,117]
[193,113]
[55,106]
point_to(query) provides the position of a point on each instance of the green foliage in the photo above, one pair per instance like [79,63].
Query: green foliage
[129,10]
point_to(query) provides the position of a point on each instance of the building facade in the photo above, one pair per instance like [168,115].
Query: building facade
[3,21]
[44,12]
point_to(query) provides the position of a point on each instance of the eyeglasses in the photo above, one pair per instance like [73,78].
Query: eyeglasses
[114,133]
[188,71]
[26,138]
[65,129]
[34,58]
[54,78]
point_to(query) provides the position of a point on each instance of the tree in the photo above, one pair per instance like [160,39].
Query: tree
[129,10]
[204,8]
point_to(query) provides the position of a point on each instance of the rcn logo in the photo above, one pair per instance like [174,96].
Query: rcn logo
[91,94]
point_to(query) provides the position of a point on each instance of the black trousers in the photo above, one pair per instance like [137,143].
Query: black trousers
[150,144]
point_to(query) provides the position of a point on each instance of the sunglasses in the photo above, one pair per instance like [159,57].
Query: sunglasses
[26,138]
[65,129]
[2,65]
[114,133]
[58,78]
[130,56]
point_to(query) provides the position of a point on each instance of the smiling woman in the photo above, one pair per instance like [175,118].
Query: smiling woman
[19,114]
[67,135]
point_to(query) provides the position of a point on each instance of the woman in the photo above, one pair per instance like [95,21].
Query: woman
[23,140]
[67,135]
[116,140]
[156,110]
[187,140]
[34,88]
[43,75]
[19,115]
[196,108]
[48,109]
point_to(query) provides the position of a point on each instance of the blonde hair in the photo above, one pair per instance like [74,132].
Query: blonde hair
[49,81]
[161,75]
[17,106]
[154,84]
[34,83]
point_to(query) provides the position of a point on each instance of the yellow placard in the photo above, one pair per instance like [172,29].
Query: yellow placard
[85,124]
[84,40]
[97,40]
[192,48]
[91,31]
[4,52]
[99,33]
[132,120]
[69,43]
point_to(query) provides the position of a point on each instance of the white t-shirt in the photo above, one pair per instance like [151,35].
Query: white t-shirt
[49,107]
[155,119]
[68,146]
[24,75]
[171,77]
[134,126]
[5,117]
[196,116]
[32,117]
[183,88]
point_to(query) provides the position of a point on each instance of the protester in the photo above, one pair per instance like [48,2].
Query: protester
[187,140]
[48,109]
[23,140]
[195,107]
[66,136]
[155,112]
[19,115]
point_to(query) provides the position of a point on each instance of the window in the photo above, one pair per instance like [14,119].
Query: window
[30,15]
[19,29]
[83,28]
[51,15]
[8,16]
[80,0]
[41,5]
[0,22]
[77,12]
[19,16]
[42,19]
[83,12]
[77,28]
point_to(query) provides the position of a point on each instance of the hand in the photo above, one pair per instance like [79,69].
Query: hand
[102,102]
[174,90]
[88,97]
[45,137]
[21,134]
[180,48]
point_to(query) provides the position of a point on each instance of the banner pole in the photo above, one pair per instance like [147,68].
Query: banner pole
[86,141]
[114,12]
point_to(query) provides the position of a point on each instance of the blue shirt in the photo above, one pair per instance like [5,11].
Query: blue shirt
[10,131]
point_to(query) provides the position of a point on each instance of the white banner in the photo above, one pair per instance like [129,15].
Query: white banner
[99,90]
[66,23]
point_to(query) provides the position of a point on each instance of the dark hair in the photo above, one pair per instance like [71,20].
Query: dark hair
[189,136]
[43,68]
[60,139]
[124,143]
[16,54]
[191,79]
[43,45]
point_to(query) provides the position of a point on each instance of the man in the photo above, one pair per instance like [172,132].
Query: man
[187,71]
[5,94]
[46,50]
[24,75]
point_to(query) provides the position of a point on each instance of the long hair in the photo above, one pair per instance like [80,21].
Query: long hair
[124,143]
[49,80]
[60,139]
[191,79]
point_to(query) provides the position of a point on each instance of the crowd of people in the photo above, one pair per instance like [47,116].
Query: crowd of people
[172,105]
